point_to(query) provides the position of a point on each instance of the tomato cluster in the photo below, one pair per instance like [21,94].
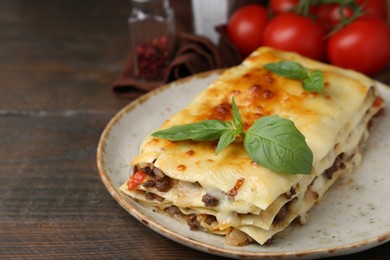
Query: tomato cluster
[353,34]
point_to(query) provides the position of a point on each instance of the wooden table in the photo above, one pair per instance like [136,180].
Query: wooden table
[57,60]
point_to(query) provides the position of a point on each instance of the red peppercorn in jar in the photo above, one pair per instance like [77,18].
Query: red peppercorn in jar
[151,24]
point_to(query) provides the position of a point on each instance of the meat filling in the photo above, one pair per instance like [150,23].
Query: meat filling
[338,164]
[281,214]
[192,222]
[155,179]
[209,201]
[291,193]
[147,170]
[173,211]
[149,184]
[152,196]
[164,184]
[210,219]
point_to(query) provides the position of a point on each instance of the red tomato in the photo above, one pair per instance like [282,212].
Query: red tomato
[285,6]
[363,45]
[374,8]
[296,33]
[135,180]
[282,6]
[329,14]
[246,26]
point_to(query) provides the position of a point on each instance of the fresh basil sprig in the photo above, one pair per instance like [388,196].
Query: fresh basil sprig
[272,141]
[313,82]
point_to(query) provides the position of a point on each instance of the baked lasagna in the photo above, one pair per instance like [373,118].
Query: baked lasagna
[228,193]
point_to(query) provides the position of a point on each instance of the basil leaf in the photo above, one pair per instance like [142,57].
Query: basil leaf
[237,122]
[315,83]
[227,137]
[293,70]
[276,143]
[207,130]
[288,69]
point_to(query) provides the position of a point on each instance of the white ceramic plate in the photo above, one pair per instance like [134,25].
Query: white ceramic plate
[354,216]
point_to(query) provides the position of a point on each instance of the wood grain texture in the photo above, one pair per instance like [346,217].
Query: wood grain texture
[57,60]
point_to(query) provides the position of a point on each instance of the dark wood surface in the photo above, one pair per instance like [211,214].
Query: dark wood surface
[57,60]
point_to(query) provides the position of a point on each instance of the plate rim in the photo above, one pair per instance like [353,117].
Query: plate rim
[357,246]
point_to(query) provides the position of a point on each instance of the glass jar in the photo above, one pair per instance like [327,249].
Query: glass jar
[152,28]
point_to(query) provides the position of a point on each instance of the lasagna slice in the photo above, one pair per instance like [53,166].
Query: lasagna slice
[229,194]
